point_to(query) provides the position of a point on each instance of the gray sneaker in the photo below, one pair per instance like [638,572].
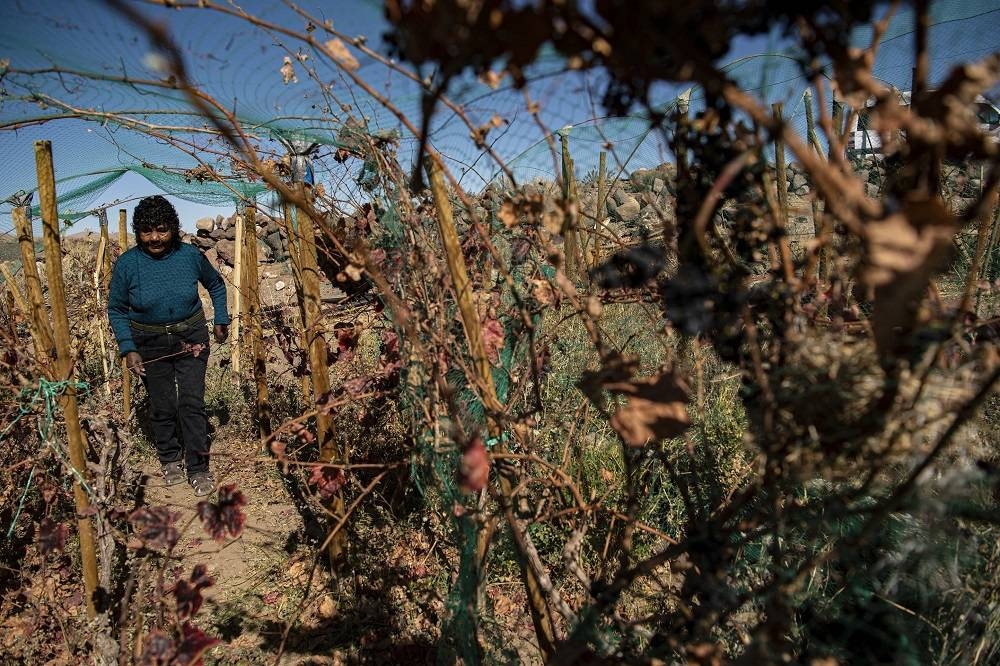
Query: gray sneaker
[203,483]
[173,473]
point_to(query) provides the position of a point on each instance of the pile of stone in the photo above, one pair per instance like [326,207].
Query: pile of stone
[216,237]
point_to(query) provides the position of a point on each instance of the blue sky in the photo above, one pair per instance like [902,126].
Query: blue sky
[241,66]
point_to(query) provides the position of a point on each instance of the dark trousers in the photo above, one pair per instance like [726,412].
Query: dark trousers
[175,382]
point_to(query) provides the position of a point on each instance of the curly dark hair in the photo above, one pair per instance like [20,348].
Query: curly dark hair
[154,211]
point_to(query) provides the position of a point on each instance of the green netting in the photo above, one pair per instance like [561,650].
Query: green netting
[155,134]
[130,124]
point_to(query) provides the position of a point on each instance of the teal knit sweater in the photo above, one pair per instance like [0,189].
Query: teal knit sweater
[161,290]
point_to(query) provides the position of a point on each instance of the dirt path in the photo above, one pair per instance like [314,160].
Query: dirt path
[237,565]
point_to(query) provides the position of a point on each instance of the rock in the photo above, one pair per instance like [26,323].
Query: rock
[205,224]
[271,227]
[229,233]
[797,182]
[274,241]
[218,233]
[212,256]
[202,242]
[264,253]
[219,220]
[658,185]
[628,208]
[227,251]
[279,285]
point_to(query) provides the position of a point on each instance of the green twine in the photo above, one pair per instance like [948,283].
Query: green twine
[47,392]
[20,505]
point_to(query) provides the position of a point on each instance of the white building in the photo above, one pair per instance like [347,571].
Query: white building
[863,140]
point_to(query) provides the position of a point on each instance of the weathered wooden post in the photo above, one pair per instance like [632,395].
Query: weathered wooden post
[602,206]
[38,320]
[251,286]
[314,331]
[102,276]
[781,175]
[294,256]
[474,336]
[64,368]
[982,237]
[126,375]
[234,333]
[822,252]
[569,229]
[12,295]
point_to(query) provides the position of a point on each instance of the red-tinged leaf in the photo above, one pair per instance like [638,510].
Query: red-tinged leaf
[390,343]
[347,341]
[303,433]
[51,536]
[187,593]
[656,409]
[195,350]
[226,516]
[328,481]
[474,466]
[158,649]
[493,339]
[355,386]
[155,526]
[49,491]
[279,449]
[194,643]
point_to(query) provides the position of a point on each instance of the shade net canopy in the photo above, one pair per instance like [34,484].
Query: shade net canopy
[90,80]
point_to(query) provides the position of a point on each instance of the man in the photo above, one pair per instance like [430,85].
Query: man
[158,321]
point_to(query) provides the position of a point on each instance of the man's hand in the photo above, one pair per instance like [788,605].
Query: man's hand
[221,332]
[133,361]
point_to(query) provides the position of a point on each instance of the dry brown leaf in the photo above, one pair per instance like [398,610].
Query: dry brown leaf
[327,608]
[492,78]
[288,71]
[904,251]
[508,214]
[542,292]
[656,409]
[337,50]
[553,220]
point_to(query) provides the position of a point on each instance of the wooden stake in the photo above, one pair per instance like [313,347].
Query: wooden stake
[64,366]
[821,253]
[38,318]
[13,293]
[11,297]
[291,233]
[312,318]
[99,267]
[234,333]
[541,617]
[839,129]
[251,282]
[602,205]
[126,375]
[784,251]
[972,280]
[569,230]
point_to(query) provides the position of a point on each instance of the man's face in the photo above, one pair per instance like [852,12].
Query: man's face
[156,240]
